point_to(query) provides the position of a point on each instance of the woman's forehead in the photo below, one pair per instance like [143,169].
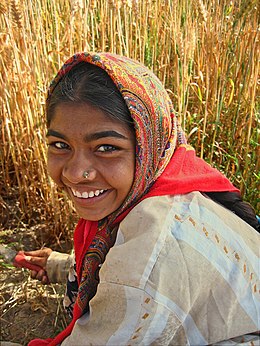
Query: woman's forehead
[85,117]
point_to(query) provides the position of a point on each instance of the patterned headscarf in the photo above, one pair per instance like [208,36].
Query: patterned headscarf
[157,129]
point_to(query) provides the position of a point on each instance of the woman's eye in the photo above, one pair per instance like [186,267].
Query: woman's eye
[106,148]
[59,145]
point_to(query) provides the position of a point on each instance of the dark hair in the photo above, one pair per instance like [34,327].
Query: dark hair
[233,201]
[87,83]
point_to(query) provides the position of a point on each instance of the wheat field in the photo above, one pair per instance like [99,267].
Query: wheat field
[206,52]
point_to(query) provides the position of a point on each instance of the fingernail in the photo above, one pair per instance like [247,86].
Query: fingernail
[27,258]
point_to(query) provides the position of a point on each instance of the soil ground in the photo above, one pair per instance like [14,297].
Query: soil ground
[28,309]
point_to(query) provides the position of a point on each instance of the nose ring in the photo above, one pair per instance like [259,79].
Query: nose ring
[85,174]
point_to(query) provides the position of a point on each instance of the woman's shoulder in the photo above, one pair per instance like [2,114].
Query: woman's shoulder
[191,225]
[195,207]
[192,257]
[194,221]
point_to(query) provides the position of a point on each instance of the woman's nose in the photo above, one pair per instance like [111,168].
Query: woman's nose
[79,169]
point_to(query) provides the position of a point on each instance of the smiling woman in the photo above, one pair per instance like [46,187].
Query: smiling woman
[166,252]
[96,143]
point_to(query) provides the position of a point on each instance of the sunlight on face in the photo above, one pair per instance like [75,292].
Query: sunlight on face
[83,138]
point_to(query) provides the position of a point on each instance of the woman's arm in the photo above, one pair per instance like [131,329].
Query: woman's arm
[55,265]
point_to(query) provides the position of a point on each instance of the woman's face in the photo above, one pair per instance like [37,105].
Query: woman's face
[83,138]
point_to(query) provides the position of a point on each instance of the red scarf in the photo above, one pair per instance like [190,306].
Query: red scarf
[185,173]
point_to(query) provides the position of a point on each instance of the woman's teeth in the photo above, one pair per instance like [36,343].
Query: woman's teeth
[87,194]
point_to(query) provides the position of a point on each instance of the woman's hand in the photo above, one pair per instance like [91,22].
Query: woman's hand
[39,257]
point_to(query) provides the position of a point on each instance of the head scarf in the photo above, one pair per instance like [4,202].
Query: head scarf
[156,126]
[165,165]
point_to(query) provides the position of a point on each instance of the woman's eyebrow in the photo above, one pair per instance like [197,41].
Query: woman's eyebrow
[103,134]
[53,133]
[90,137]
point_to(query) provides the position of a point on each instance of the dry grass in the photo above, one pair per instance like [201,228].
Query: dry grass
[206,53]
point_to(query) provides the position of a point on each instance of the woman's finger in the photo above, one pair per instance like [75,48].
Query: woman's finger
[33,274]
[45,280]
[45,252]
[40,274]
[39,261]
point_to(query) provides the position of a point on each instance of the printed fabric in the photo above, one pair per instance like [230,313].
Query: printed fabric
[183,271]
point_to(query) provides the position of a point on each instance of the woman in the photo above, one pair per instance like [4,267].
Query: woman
[159,260]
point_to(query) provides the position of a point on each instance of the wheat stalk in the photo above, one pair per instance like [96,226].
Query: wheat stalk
[204,52]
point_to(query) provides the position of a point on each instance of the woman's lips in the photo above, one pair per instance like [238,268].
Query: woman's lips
[86,195]
[84,198]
